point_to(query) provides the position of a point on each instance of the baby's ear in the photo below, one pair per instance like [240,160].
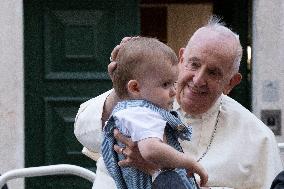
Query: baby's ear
[133,87]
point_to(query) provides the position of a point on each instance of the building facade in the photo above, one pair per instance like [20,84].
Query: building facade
[54,56]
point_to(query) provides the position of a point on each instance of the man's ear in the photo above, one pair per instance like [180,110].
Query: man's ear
[235,80]
[181,55]
[133,87]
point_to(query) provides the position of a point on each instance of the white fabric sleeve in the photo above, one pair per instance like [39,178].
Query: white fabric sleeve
[88,123]
[141,123]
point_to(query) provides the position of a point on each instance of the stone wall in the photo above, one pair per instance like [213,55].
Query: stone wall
[11,88]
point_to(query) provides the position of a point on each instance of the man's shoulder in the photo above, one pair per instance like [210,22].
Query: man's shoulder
[233,107]
[89,114]
[244,117]
[96,100]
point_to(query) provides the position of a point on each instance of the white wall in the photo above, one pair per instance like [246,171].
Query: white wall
[11,88]
[268,57]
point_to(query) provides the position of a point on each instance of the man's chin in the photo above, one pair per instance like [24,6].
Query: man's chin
[193,96]
[193,103]
[193,108]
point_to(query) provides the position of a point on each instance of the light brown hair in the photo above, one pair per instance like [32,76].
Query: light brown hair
[137,58]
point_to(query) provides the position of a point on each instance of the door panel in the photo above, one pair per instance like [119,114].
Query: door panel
[78,43]
[67,49]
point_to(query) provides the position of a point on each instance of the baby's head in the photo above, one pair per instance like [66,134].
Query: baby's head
[141,63]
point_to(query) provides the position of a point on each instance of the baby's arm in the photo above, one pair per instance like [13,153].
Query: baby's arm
[154,150]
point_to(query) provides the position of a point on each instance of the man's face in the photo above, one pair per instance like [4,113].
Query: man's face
[205,72]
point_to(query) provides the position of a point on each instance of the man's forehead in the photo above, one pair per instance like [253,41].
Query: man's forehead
[223,40]
[214,50]
[203,33]
[208,45]
[210,37]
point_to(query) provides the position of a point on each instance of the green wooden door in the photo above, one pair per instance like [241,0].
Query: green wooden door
[67,49]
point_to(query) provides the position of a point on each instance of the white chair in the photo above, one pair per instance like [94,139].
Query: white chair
[60,169]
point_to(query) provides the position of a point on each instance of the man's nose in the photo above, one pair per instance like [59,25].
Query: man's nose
[199,78]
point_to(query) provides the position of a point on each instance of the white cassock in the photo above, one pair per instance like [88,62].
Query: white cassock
[238,150]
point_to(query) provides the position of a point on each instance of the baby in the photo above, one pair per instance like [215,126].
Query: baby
[144,80]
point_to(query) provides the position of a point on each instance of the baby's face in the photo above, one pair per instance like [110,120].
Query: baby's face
[159,88]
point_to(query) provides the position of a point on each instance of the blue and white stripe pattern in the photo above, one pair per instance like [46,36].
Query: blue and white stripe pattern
[128,177]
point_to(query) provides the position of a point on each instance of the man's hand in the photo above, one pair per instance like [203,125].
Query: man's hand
[111,67]
[114,53]
[132,155]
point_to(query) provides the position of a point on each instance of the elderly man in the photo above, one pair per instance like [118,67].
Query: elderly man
[235,147]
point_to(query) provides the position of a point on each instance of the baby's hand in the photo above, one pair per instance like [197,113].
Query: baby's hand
[203,178]
[201,172]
